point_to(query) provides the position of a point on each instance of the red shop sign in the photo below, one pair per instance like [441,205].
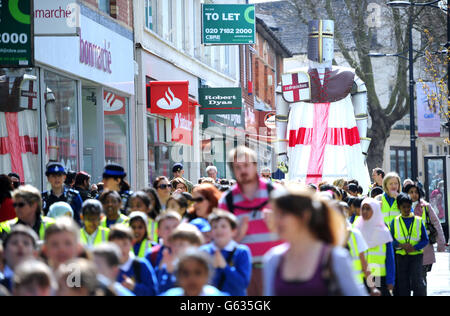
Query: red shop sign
[183,126]
[169,97]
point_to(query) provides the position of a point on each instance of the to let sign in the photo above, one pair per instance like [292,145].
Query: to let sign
[231,24]
[220,100]
[16,35]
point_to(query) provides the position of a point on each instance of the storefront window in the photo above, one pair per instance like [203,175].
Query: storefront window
[61,120]
[159,163]
[116,129]
[19,124]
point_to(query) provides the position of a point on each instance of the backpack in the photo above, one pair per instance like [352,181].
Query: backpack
[328,274]
[231,207]
[432,236]
[154,255]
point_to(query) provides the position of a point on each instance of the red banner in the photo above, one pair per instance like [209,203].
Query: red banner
[169,98]
[183,125]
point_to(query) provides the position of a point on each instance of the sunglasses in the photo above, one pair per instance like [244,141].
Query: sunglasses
[266,176]
[19,205]
[165,186]
[199,199]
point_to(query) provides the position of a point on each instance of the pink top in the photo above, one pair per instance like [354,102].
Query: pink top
[428,251]
[258,238]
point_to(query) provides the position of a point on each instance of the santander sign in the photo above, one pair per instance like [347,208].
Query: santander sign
[96,56]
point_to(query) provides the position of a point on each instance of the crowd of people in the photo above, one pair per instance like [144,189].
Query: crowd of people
[249,236]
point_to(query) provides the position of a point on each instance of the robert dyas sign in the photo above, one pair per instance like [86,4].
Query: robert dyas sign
[220,100]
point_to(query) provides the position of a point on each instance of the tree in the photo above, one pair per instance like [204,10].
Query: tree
[353,15]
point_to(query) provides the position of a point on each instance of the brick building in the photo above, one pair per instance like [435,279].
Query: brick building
[261,70]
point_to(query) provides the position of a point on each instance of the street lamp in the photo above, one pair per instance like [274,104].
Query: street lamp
[400,5]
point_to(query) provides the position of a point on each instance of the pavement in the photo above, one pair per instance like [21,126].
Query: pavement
[439,277]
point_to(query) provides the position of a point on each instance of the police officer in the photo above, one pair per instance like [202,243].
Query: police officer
[114,180]
[56,176]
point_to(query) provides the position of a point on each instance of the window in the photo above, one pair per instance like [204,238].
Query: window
[20,124]
[438,150]
[151,14]
[62,123]
[430,149]
[401,161]
[105,6]
[116,129]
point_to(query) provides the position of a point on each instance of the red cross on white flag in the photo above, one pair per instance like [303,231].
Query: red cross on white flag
[296,87]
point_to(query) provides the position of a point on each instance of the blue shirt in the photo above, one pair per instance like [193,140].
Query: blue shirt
[408,222]
[148,285]
[390,264]
[389,199]
[236,275]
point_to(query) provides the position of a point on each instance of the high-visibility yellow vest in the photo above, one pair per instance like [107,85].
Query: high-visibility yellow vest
[101,236]
[45,223]
[121,220]
[401,234]
[354,221]
[389,212]
[354,252]
[145,245]
[152,230]
[376,260]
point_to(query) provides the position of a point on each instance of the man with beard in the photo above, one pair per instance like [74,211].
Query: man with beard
[248,199]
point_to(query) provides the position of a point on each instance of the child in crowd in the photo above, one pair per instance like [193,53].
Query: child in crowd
[167,222]
[410,237]
[112,203]
[135,274]
[179,203]
[84,284]
[204,227]
[232,261]
[140,201]
[141,244]
[60,209]
[19,245]
[183,237]
[62,242]
[91,233]
[107,259]
[356,209]
[33,278]
[379,253]
[193,274]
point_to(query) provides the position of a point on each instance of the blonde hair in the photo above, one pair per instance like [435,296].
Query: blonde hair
[30,194]
[340,183]
[389,176]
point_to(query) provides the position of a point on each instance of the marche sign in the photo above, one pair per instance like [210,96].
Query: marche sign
[228,24]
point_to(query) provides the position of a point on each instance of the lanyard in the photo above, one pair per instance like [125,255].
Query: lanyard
[403,225]
[87,238]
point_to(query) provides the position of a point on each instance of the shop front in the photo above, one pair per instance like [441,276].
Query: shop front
[73,107]
[166,139]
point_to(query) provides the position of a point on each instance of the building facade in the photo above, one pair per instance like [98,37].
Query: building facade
[169,48]
[74,105]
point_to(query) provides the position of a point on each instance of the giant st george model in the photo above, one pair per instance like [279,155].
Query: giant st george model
[322,117]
